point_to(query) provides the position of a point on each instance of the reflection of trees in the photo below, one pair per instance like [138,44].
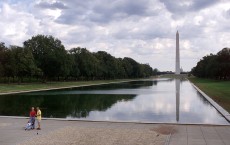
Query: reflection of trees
[183,80]
[55,104]
[17,105]
[140,84]
[59,105]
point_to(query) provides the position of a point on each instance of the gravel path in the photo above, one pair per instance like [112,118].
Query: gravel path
[80,133]
[98,136]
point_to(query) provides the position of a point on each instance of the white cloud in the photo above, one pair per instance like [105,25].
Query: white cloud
[144,30]
[16,26]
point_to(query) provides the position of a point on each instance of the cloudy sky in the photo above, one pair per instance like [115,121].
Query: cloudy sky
[141,29]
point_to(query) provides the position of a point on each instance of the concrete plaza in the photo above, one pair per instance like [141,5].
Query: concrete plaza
[59,132]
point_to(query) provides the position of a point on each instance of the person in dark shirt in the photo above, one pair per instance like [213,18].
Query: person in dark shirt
[32,117]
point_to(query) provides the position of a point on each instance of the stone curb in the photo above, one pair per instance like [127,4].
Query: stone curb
[134,122]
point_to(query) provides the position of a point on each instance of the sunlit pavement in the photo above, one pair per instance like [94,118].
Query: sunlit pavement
[12,132]
[200,135]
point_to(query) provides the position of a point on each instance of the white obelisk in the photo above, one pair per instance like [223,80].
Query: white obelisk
[177,55]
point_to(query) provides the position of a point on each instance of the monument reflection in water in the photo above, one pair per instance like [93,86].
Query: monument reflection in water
[160,100]
[177,99]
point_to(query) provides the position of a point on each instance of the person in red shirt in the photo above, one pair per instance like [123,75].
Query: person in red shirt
[32,117]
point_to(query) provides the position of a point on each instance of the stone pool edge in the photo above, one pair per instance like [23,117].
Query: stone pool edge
[135,122]
[220,109]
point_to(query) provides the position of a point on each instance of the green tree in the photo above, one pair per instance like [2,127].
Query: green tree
[2,58]
[214,66]
[121,70]
[132,68]
[108,65]
[86,62]
[155,72]
[146,70]
[23,62]
[45,57]
[74,55]
[223,58]
[50,55]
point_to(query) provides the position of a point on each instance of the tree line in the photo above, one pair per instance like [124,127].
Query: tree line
[214,66]
[45,58]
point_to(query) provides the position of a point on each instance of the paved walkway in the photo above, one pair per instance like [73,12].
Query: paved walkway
[200,135]
[12,132]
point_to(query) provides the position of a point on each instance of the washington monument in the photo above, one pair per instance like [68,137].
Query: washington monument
[177,71]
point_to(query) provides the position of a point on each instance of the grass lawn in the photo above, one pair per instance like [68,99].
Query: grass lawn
[5,88]
[217,90]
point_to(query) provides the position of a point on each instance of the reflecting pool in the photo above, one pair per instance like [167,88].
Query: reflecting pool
[157,100]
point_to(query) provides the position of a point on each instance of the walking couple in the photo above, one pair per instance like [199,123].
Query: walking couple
[37,114]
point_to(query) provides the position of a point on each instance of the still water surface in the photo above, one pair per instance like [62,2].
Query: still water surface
[160,100]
